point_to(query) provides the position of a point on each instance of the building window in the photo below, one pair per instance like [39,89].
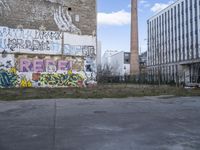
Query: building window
[127,58]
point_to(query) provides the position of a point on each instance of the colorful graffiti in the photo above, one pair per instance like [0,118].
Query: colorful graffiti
[12,78]
[24,83]
[46,71]
[37,58]
[39,65]
[62,80]
[8,79]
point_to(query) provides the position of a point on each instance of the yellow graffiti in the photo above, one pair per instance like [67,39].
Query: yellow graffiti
[82,75]
[13,70]
[69,72]
[29,84]
[25,83]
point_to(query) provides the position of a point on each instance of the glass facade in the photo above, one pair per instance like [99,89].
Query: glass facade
[174,38]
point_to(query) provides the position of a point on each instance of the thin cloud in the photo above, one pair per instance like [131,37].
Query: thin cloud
[160,6]
[118,18]
[143,5]
[143,2]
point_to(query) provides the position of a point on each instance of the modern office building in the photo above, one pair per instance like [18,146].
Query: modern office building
[47,43]
[174,42]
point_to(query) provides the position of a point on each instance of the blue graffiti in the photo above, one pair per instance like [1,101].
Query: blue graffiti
[7,79]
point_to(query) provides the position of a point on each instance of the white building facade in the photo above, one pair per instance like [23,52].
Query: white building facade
[174,42]
[106,58]
[118,63]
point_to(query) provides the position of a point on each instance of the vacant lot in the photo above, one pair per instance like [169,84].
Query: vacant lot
[146,123]
[100,91]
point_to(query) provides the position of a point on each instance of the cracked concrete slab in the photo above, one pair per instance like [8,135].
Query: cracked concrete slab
[150,123]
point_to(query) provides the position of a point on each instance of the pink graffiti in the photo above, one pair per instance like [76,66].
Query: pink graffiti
[40,65]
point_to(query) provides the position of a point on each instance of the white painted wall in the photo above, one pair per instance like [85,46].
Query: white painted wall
[106,58]
[118,66]
[74,39]
[99,53]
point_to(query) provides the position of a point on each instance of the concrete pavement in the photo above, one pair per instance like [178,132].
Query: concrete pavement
[149,123]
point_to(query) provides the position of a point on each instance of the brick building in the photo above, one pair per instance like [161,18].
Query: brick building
[47,43]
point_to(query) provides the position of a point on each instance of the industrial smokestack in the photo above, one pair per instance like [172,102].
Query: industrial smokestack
[134,39]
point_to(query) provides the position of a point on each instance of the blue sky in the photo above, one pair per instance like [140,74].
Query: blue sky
[114,22]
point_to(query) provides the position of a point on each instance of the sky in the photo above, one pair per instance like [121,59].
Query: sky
[114,20]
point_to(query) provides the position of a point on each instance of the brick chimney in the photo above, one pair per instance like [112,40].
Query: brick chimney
[134,68]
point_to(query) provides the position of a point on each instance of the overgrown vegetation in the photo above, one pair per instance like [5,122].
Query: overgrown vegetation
[100,91]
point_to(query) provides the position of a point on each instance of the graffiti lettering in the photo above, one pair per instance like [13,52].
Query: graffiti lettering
[27,44]
[79,50]
[67,80]
[88,51]
[44,35]
[30,40]
[8,79]
[40,65]
[24,83]
[36,41]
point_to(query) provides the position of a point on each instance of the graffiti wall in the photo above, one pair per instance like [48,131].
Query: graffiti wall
[30,41]
[49,71]
[46,42]
[34,58]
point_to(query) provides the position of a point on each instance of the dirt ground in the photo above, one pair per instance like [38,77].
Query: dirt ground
[100,91]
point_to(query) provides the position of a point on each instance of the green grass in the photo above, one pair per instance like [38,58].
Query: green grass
[101,91]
